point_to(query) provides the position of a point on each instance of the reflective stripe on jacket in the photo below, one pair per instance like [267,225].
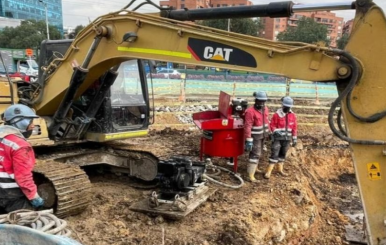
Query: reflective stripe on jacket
[254,122]
[17,160]
[279,124]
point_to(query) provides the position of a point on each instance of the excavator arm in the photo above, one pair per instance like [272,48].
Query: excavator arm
[358,71]
[126,35]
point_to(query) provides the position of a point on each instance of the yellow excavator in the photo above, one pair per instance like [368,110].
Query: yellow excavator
[82,105]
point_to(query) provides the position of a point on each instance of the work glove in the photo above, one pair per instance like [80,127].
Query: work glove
[294,142]
[248,144]
[37,201]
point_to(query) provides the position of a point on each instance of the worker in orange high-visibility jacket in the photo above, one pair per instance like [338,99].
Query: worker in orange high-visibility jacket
[256,129]
[17,159]
[284,128]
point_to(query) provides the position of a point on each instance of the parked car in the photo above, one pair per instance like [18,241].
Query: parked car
[168,72]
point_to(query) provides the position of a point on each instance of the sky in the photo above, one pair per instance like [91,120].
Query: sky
[76,12]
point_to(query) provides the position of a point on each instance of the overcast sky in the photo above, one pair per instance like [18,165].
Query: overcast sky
[81,12]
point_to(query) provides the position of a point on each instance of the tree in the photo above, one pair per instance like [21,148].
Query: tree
[77,29]
[343,41]
[29,34]
[244,26]
[306,31]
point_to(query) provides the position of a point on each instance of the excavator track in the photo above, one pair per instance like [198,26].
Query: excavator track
[137,160]
[67,188]
[163,153]
[70,184]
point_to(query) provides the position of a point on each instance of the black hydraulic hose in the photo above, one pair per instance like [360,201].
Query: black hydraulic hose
[346,91]
[141,4]
[339,121]
[77,79]
[371,119]
[152,94]
[146,3]
[39,98]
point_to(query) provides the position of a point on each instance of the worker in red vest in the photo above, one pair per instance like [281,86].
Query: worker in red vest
[256,129]
[17,159]
[284,128]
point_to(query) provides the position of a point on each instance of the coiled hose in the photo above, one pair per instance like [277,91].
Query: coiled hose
[217,169]
[44,221]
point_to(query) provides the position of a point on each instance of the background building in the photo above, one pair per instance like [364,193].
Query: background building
[194,4]
[33,9]
[273,26]
[334,24]
[7,22]
[348,27]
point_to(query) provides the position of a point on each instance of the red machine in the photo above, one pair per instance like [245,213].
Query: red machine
[223,130]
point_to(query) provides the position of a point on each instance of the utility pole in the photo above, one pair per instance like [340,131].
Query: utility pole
[48,29]
[229,25]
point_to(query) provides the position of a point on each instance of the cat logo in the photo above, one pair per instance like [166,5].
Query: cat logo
[220,54]
[214,52]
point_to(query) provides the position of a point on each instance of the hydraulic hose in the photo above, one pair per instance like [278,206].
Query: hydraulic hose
[339,121]
[371,119]
[221,183]
[347,92]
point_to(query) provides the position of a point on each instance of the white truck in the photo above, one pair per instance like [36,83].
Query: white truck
[19,60]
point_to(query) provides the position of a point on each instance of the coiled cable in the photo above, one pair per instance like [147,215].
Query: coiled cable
[44,221]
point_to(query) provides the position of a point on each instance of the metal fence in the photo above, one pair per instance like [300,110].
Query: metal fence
[180,87]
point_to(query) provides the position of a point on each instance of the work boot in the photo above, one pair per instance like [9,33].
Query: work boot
[269,171]
[280,168]
[251,172]
[258,170]
[256,161]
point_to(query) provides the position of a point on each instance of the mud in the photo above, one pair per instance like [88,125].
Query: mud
[305,207]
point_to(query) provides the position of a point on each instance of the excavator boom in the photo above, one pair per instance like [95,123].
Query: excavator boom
[125,35]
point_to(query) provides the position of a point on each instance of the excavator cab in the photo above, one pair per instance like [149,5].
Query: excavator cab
[114,106]
[125,107]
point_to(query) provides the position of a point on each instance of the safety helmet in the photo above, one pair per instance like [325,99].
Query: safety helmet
[287,101]
[19,116]
[260,95]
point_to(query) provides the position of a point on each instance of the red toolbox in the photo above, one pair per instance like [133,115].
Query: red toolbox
[223,130]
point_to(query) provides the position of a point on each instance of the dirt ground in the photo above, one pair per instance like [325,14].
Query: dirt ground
[307,207]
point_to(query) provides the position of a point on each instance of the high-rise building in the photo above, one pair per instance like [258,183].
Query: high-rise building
[7,22]
[33,9]
[334,24]
[195,4]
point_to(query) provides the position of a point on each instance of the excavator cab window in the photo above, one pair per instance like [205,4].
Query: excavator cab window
[129,108]
[126,106]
